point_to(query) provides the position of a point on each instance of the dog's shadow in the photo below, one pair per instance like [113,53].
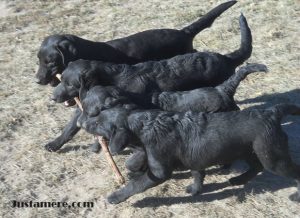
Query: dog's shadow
[268,100]
[265,182]
[87,148]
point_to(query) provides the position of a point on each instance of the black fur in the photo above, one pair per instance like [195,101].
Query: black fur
[207,99]
[198,141]
[183,72]
[57,51]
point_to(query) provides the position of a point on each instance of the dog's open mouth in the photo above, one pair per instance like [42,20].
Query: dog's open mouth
[70,103]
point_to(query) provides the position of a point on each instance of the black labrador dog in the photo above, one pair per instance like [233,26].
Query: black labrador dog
[209,99]
[57,51]
[197,141]
[183,72]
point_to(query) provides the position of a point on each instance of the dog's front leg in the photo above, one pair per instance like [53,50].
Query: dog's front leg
[137,185]
[197,186]
[136,163]
[67,134]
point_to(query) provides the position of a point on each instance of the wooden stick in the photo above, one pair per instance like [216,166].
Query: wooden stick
[104,146]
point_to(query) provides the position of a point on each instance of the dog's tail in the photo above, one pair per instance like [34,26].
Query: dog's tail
[207,20]
[229,86]
[281,110]
[245,50]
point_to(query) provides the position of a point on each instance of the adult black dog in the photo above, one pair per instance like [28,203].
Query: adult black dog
[57,51]
[183,72]
[197,141]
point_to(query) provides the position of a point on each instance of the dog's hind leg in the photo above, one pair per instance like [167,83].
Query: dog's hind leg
[197,186]
[296,195]
[254,168]
[288,169]
[273,152]
[68,132]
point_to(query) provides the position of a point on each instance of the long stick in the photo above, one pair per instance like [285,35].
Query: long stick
[104,146]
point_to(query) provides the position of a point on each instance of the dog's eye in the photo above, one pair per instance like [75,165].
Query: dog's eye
[69,85]
[49,62]
[93,113]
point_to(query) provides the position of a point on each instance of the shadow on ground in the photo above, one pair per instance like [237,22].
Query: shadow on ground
[264,182]
[269,100]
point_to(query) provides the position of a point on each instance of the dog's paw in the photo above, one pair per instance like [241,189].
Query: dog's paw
[193,189]
[295,197]
[52,147]
[115,198]
[96,148]
[225,169]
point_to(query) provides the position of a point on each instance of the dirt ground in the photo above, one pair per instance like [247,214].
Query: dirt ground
[28,119]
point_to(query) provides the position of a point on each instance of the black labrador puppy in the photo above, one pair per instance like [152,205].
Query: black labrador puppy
[183,72]
[57,51]
[207,99]
[197,141]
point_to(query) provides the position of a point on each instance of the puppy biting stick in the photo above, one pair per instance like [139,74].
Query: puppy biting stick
[104,146]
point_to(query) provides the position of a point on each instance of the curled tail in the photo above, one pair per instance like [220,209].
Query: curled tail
[229,86]
[245,50]
[207,20]
[281,110]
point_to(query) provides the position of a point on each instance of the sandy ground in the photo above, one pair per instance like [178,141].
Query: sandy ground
[28,120]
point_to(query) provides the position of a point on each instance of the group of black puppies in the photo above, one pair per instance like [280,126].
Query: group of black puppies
[172,105]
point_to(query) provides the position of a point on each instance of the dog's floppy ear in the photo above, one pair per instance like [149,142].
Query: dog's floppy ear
[83,88]
[67,51]
[119,140]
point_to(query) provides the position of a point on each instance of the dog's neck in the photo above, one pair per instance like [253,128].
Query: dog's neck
[108,73]
[90,50]
[137,119]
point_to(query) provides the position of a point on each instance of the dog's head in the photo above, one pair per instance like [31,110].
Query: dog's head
[103,114]
[110,124]
[70,81]
[72,77]
[100,98]
[55,53]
